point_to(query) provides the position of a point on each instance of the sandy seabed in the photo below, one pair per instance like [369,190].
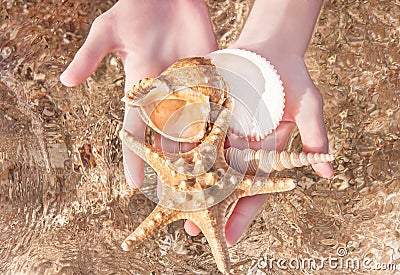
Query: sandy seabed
[64,204]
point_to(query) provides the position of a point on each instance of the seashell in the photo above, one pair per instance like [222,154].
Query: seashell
[177,104]
[147,91]
[249,161]
[200,75]
[180,116]
[257,89]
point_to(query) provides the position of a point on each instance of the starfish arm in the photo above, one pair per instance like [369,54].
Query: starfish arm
[155,158]
[157,219]
[252,185]
[221,124]
[134,144]
[216,138]
[212,223]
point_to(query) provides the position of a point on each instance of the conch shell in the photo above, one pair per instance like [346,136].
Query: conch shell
[251,162]
[178,103]
[257,90]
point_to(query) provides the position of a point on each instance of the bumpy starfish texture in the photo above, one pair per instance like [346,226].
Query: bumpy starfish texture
[199,185]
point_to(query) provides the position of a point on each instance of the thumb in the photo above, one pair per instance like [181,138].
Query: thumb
[98,44]
[310,122]
[133,164]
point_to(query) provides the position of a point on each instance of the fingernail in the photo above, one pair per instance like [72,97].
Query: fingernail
[191,228]
[62,78]
[327,173]
[324,170]
[235,234]
[230,243]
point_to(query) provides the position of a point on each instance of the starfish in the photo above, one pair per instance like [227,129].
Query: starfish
[199,185]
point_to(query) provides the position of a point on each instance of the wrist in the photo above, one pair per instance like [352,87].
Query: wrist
[286,25]
[271,50]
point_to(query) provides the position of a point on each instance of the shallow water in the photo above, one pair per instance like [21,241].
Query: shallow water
[65,208]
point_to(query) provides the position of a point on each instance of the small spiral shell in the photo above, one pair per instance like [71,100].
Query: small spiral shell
[249,161]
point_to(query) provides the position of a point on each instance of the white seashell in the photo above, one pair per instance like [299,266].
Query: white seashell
[256,88]
[249,161]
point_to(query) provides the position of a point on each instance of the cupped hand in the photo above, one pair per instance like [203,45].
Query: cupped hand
[148,36]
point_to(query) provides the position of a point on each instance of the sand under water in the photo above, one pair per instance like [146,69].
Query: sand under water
[64,204]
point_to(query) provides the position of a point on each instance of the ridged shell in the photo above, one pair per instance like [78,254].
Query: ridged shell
[250,161]
[257,89]
[177,104]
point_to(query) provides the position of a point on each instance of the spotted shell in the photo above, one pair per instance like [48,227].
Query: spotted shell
[178,103]
[251,161]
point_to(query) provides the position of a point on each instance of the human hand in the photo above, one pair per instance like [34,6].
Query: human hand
[148,36]
[288,26]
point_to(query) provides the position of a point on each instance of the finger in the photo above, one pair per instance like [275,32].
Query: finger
[191,228]
[133,168]
[274,141]
[242,216]
[134,172]
[98,43]
[133,165]
[312,130]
